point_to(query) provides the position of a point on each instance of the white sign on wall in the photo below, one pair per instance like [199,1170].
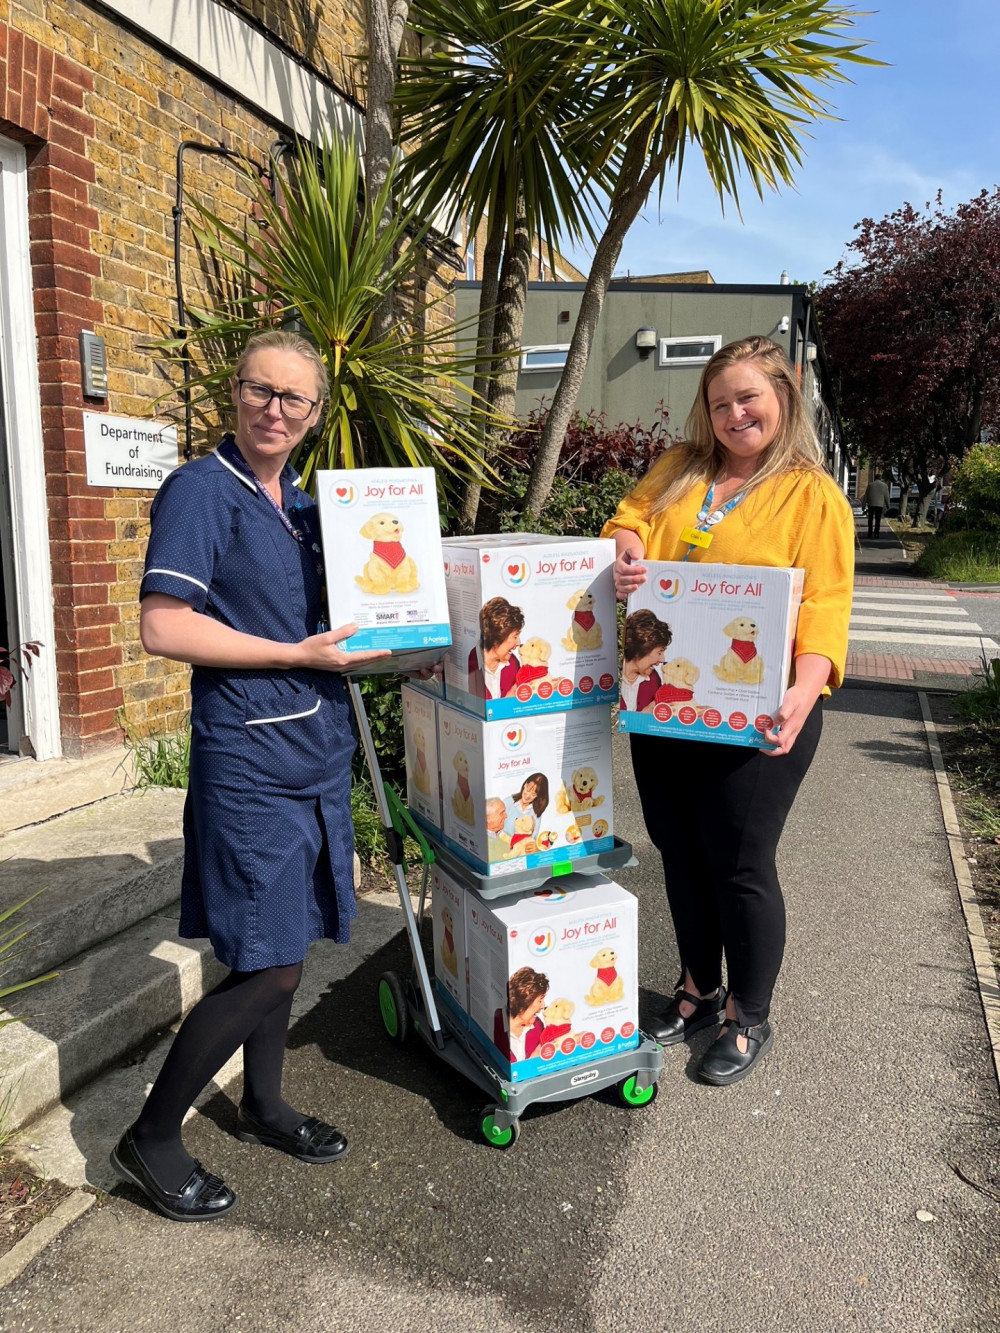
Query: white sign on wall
[128,453]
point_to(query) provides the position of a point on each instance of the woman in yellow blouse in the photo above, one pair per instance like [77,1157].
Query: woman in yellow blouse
[751,475]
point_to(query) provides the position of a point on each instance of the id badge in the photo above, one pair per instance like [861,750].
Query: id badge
[695,538]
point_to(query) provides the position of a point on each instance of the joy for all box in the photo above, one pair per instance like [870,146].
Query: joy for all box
[451,963]
[528,791]
[423,775]
[533,623]
[384,570]
[553,975]
[708,650]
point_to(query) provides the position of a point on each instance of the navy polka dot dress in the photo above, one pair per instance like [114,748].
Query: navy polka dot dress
[269,845]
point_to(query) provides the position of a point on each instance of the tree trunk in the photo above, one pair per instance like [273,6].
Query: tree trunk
[488,295]
[385,22]
[631,191]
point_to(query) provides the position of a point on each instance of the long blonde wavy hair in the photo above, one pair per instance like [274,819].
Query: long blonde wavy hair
[700,456]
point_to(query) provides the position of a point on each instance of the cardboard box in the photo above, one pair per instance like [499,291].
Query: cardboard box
[423,772]
[451,955]
[560,766]
[384,569]
[546,606]
[569,955]
[726,668]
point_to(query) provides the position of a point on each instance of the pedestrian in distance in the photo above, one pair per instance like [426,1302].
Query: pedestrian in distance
[750,475]
[234,585]
[876,503]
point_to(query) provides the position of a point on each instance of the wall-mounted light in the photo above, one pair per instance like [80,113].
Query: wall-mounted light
[811,351]
[784,324]
[645,341]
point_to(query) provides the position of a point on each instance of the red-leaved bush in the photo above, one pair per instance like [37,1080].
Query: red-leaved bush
[592,448]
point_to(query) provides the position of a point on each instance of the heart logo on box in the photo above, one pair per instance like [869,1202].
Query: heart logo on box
[539,939]
[665,584]
[512,735]
[341,491]
[513,569]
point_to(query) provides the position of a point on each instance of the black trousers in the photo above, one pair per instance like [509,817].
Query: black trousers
[874,521]
[715,813]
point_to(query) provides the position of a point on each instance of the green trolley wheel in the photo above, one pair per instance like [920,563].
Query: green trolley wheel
[493,1134]
[392,1007]
[632,1096]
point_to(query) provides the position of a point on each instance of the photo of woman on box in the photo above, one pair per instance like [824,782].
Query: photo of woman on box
[749,475]
[646,639]
[493,664]
[531,799]
[517,1034]
[234,585]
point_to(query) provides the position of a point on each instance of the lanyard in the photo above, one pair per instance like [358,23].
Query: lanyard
[229,450]
[707,518]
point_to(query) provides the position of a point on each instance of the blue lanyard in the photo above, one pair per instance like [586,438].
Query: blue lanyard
[707,518]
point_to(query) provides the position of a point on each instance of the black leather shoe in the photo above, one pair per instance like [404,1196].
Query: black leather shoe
[670,1027]
[199,1199]
[725,1063]
[313,1141]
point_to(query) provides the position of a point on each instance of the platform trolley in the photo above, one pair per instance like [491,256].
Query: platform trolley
[411,1004]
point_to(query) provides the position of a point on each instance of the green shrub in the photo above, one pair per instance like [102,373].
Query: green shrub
[573,509]
[976,488]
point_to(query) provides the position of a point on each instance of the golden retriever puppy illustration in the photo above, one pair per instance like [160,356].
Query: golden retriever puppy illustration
[608,986]
[461,797]
[580,795]
[448,955]
[389,568]
[522,840]
[421,773]
[584,630]
[741,664]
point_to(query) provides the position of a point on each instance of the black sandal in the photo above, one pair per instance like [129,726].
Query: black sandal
[725,1063]
[671,1027]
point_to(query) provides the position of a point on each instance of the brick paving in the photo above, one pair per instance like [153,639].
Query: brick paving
[883,666]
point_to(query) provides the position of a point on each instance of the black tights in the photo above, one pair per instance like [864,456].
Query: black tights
[248,1009]
[715,814]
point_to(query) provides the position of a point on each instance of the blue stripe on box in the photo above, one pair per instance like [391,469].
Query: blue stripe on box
[645,724]
[497,710]
[519,1071]
[399,638]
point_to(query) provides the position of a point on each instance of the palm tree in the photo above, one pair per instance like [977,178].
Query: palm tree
[494,116]
[309,256]
[736,79]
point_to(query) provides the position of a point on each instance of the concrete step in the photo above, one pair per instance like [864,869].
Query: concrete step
[97,870]
[32,791]
[107,1001]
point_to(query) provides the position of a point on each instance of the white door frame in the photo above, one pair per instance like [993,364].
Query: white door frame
[20,402]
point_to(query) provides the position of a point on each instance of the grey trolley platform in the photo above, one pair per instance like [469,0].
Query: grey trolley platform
[412,1004]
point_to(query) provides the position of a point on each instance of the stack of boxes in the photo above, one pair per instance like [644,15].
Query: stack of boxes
[508,765]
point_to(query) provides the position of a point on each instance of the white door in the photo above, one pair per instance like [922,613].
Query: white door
[24,521]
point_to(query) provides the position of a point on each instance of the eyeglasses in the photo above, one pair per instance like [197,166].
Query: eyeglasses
[295,406]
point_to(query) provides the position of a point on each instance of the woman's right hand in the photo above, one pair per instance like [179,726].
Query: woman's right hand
[323,652]
[628,572]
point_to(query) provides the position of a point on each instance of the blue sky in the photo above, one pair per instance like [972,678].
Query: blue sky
[930,121]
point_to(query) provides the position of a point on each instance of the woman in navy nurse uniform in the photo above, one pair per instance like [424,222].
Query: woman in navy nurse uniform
[233,584]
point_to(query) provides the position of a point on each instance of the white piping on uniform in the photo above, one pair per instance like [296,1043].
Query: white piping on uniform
[176,574]
[289,717]
[237,474]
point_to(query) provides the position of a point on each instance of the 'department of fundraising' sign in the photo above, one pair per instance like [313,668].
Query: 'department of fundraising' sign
[128,453]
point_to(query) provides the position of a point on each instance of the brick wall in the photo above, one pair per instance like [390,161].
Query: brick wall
[102,114]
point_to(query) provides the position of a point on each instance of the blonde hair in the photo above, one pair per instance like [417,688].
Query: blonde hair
[283,340]
[700,456]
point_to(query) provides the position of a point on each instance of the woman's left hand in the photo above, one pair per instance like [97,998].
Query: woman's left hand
[811,674]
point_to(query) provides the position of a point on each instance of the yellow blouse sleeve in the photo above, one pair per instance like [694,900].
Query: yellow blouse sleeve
[826,553]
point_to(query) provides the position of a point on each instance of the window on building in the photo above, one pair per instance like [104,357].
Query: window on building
[544,358]
[689,351]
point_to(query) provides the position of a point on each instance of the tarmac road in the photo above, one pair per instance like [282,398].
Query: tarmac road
[789,1201]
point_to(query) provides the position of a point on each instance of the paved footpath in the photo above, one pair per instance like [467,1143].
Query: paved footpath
[790,1201]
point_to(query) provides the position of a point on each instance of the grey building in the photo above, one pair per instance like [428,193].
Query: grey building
[653,339]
